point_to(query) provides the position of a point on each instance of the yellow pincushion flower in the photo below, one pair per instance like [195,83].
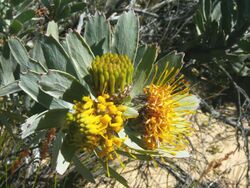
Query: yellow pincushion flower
[95,124]
[165,123]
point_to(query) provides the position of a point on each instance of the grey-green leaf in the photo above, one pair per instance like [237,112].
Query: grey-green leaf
[6,71]
[62,85]
[29,84]
[97,34]
[80,54]
[199,21]
[21,56]
[61,163]
[68,150]
[138,86]
[189,102]
[144,69]
[83,170]
[172,62]
[139,55]
[49,119]
[147,61]
[55,55]
[56,148]
[126,35]
[19,53]
[216,13]
[36,66]
[9,88]
[207,7]
[37,53]
[118,177]
[52,30]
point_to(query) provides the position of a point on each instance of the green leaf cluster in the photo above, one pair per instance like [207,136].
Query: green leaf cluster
[62,9]
[220,37]
[14,17]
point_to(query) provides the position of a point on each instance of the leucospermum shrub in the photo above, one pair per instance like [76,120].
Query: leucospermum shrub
[106,96]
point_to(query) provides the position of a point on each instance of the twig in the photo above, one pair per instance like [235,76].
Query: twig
[140,11]
[240,126]
[160,5]
[176,171]
[80,23]
[146,12]
[217,115]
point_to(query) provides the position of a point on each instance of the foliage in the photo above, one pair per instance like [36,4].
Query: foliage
[22,18]
[221,23]
[58,10]
[220,35]
[15,17]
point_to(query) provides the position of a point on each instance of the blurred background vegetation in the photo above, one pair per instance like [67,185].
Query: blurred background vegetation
[214,34]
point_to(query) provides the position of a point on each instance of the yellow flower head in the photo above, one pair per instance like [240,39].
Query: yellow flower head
[165,123]
[95,124]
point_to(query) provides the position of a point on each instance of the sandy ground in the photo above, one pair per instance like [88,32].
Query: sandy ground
[215,158]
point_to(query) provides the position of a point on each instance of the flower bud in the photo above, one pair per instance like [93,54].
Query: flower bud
[111,73]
